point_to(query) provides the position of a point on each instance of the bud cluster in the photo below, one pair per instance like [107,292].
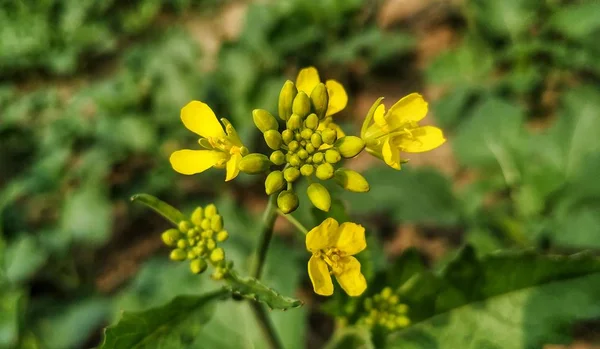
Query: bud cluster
[309,146]
[197,241]
[384,310]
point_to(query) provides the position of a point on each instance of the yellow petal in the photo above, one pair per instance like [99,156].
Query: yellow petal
[232,134]
[320,277]
[351,279]
[378,116]
[351,238]
[322,236]
[411,108]
[391,154]
[190,162]
[307,79]
[339,131]
[423,138]
[200,119]
[232,168]
[337,97]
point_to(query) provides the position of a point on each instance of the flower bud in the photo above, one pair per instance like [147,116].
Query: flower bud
[217,255]
[222,235]
[318,158]
[309,148]
[351,180]
[197,216]
[274,182]
[171,236]
[287,201]
[307,170]
[295,160]
[210,210]
[184,226]
[319,196]
[210,244]
[205,225]
[329,135]
[293,146]
[277,157]
[254,163]
[312,121]
[264,121]
[350,146]
[306,133]
[198,266]
[287,136]
[320,99]
[182,243]
[294,122]
[324,171]
[332,156]
[216,223]
[302,154]
[273,139]
[178,254]
[291,174]
[286,99]
[301,104]
[316,140]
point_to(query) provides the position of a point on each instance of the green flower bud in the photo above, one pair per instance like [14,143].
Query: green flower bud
[273,139]
[171,236]
[302,154]
[217,255]
[332,156]
[291,174]
[287,201]
[178,254]
[351,180]
[306,133]
[293,146]
[205,225]
[294,122]
[191,254]
[309,148]
[198,266]
[312,121]
[197,216]
[210,244]
[324,171]
[210,210]
[192,233]
[277,158]
[298,137]
[274,182]
[319,196]
[316,140]
[184,226]
[222,235]
[329,135]
[309,160]
[264,121]
[287,135]
[301,104]
[295,160]
[216,223]
[286,99]
[255,163]
[320,99]
[318,158]
[350,146]
[307,170]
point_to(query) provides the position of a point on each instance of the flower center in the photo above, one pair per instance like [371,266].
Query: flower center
[332,256]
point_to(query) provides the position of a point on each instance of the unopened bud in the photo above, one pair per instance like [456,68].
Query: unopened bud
[171,236]
[291,174]
[264,121]
[329,135]
[198,266]
[294,122]
[312,121]
[274,182]
[319,196]
[350,146]
[301,104]
[210,210]
[318,158]
[205,225]
[210,244]
[286,99]
[306,133]
[307,170]
[254,163]
[273,139]
[222,235]
[295,160]
[324,171]
[332,156]
[197,216]
[184,226]
[351,180]
[277,157]
[216,223]
[217,255]
[316,140]
[178,254]
[182,243]
[287,201]
[320,99]
[309,148]
[302,154]
[293,146]
[287,136]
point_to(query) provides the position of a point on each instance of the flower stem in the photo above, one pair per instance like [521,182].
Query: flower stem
[294,222]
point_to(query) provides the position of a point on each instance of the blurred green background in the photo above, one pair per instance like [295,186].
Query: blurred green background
[90,93]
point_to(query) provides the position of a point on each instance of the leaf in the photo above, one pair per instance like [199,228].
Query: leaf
[253,289]
[505,18]
[409,263]
[173,325]
[11,304]
[87,215]
[504,300]
[351,338]
[576,21]
[161,207]
[23,258]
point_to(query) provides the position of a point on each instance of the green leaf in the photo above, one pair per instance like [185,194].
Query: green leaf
[251,288]
[351,338]
[173,325]
[161,207]
[23,258]
[471,63]
[409,263]
[505,18]
[87,215]
[577,20]
[477,302]
[11,304]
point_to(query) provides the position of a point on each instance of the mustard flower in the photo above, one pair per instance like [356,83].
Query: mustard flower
[332,246]
[222,147]
[388,134]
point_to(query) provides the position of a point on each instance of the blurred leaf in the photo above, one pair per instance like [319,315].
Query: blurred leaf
[160,207]
[10,310]
[409,263]
[450,110]
[87,215]
[576,20]
[351,338]
[505,18]
[253,289]
[23,258]
[468,64]
[174,324]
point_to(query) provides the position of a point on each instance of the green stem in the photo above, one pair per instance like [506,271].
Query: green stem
[266,325]
[294,222]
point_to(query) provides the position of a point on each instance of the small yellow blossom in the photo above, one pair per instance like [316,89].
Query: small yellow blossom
[223,148]
[308,79]
[388,134]
[332,246]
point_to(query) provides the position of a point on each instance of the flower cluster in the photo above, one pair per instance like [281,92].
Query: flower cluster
[197,240]
[384,310]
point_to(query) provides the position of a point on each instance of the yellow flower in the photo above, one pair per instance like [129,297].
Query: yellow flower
[387,134]
[223,148]
[306,81]
[332,246]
